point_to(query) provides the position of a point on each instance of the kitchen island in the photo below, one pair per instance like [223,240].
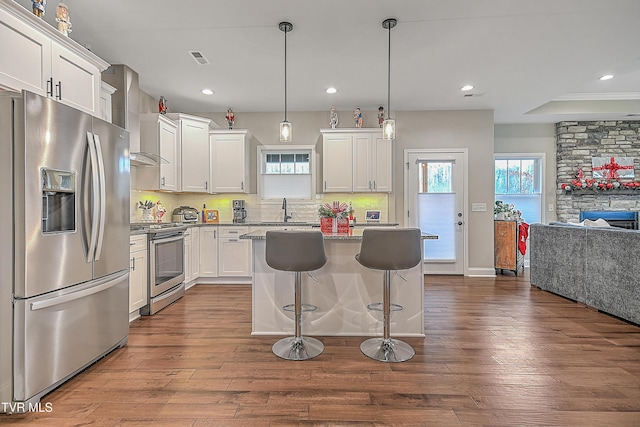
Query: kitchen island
[341,293]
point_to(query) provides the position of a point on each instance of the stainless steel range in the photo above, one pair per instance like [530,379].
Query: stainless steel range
[166,267]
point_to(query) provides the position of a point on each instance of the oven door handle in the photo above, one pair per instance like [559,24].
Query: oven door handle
[167,239]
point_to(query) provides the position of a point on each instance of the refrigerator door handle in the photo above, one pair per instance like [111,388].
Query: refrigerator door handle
[95,185]
[39,305]
[103,196]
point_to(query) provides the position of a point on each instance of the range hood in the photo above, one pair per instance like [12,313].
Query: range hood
[125,111]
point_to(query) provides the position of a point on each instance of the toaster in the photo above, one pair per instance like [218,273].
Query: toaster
[184,214]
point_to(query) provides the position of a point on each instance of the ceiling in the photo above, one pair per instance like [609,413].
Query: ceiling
[529,61]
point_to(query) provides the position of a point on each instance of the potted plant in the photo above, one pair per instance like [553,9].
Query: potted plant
[502,210]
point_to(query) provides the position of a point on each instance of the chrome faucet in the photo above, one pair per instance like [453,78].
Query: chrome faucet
[284,206]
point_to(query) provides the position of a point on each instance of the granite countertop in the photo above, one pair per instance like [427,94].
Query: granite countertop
[144,227]
[353,234]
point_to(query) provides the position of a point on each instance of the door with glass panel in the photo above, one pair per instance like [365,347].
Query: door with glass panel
[435,203]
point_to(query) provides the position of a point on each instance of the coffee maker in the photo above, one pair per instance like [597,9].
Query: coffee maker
[239,212]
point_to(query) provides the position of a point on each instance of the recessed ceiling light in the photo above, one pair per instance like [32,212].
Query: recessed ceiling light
[606,77]
[332,90]
[207,91]
[466,87]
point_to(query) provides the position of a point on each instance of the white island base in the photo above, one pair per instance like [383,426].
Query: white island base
[342,293]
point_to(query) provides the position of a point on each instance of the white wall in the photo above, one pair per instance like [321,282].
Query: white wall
[472,130]
[533,138]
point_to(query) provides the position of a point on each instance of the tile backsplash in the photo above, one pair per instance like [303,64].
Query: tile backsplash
[259,210]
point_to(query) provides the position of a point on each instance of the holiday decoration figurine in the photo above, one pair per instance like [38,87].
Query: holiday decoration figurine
[38,7]
[380,116]
[230,118]
[160,211]
[162,105]
[357,117]
[63,20]
[333,118]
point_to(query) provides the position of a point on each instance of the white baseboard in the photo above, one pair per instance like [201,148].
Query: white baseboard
[481,272]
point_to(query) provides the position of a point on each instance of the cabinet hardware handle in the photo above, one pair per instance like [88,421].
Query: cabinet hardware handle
[242,185]
[375,187]
[59,90]
[163,181]
[132,243]
[50,87]
[206,185]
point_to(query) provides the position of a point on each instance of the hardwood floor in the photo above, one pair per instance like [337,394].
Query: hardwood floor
[497,352]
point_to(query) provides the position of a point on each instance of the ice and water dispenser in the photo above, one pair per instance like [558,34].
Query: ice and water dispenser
[58,201]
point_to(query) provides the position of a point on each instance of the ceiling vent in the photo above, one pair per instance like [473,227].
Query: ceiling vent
[199,57]
[472,95]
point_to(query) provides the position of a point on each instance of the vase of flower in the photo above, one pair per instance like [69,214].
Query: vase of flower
[334,218]
[147,215]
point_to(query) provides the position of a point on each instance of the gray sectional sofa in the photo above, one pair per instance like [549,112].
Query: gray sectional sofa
[597,266]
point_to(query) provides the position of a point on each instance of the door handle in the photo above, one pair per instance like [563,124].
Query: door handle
[459,222]
[103,196]
[38,305]
[95,190]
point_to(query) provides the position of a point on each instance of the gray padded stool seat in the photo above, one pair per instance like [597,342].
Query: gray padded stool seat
[297,251]
[389,249]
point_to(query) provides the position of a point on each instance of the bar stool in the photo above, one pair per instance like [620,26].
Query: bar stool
[389,249]
[297,251]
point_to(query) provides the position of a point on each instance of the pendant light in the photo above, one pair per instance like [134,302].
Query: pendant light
[389,125]
[285,126]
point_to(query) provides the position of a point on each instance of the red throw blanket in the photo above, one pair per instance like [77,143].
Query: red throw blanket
[524,233]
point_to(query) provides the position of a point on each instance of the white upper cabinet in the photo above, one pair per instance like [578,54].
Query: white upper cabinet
[337,162]
[36,57]
[356,160]
[372,161]
[159,138]
[104,110]
[229,161]
[193,140]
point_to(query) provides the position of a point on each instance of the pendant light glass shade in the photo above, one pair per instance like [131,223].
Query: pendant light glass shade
[285,126]
[285,131]
[389,125]
[389,129]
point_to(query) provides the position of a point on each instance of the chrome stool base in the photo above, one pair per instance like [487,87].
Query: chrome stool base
[387,350]
[298,348]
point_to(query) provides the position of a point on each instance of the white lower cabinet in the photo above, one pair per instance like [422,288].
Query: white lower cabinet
[191,256]
[209,251]
[138,275]
[234,254]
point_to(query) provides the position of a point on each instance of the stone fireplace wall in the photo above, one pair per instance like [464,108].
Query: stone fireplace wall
[576,144]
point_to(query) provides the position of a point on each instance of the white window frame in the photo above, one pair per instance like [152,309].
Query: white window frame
[518,156]
[280,149]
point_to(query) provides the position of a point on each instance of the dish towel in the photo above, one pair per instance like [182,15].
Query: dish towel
[524,233]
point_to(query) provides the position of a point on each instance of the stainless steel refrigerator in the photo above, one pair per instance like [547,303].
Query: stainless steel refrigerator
[64,238]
